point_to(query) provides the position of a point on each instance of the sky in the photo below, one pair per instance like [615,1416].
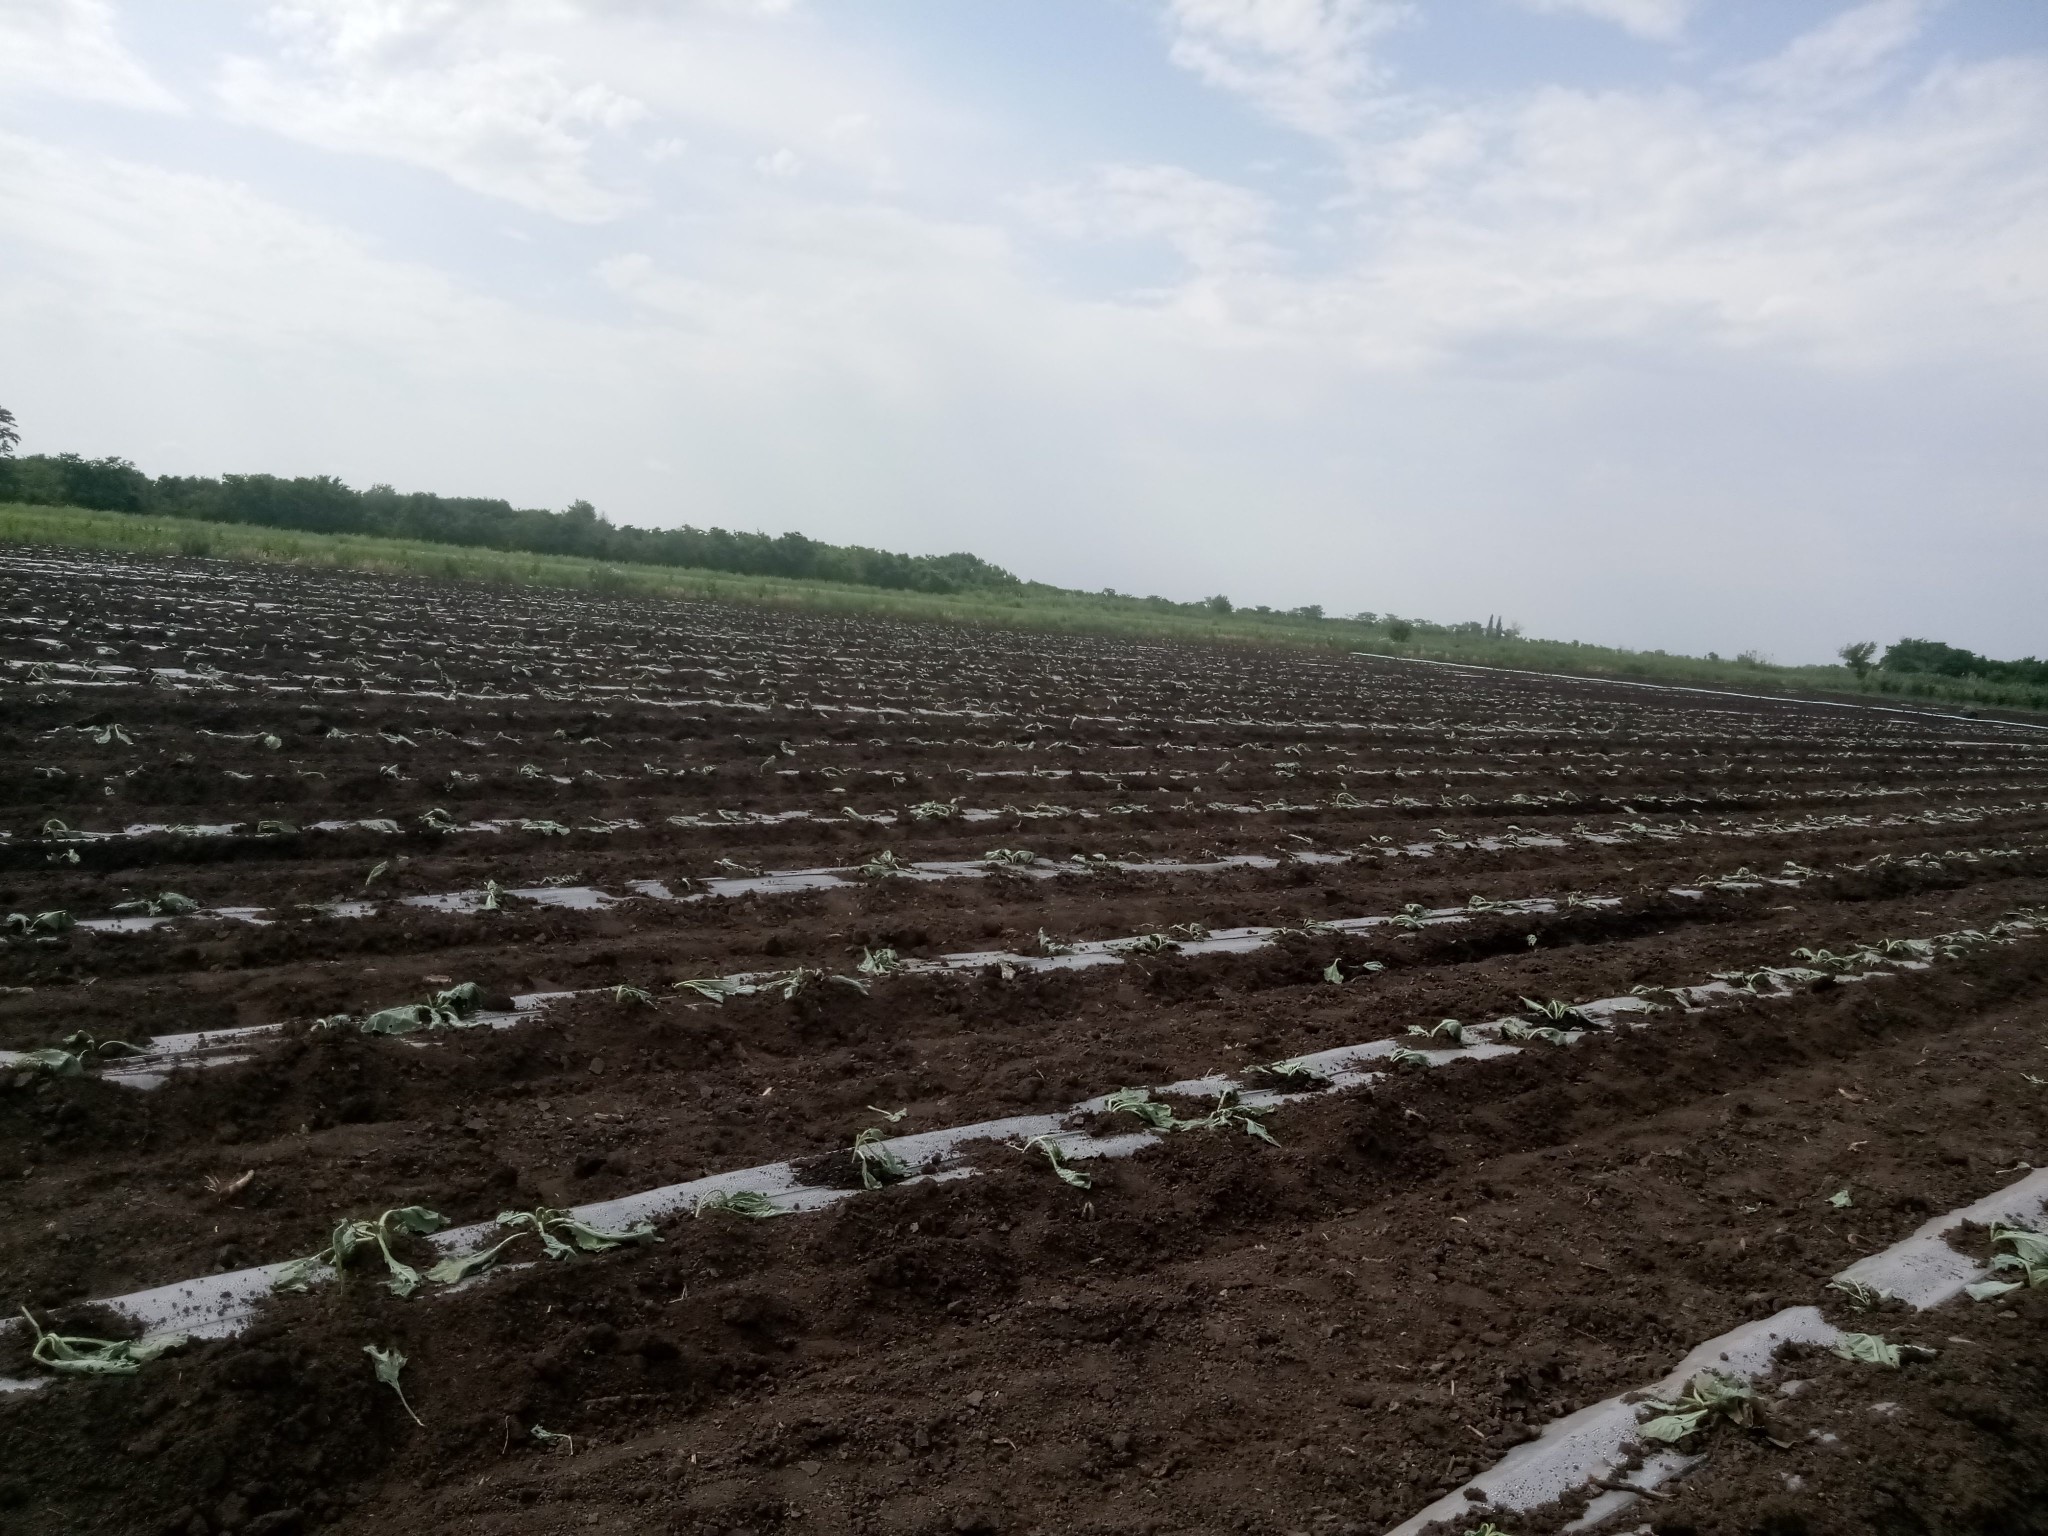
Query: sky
[1681,324]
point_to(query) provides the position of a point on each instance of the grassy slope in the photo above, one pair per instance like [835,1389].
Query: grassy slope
[1029,607]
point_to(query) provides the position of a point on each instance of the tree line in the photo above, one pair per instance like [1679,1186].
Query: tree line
[324,504]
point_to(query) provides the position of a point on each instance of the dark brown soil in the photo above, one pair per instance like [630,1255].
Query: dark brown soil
[1218,1335]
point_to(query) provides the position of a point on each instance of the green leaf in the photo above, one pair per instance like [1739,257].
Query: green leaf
[1987,1290]
[1840,1200]
[1673,1427]
[1334,973]
[750,1203]
[388,1363]
[1868,1348]
[450,1270]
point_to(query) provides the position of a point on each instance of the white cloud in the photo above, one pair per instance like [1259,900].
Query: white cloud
[1305,62]
[1659,20]
[1212,225]
[1842,58]
[72,48]
[431,83]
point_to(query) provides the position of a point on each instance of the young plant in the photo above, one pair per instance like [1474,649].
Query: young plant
[1050,1148]
[1052,946]
[936,810]
[1139,1102]
[1710,1396]
[878,962]
[750,1203]
[1230,1114]
[30,924]
[353,1237]
[1553,1010]
[1443,1029]
[622,993]
[1294,1072]
[78,1051]
[883,866]
[170,903]
[563,1233]
[1402,1056]
[877,1163]
[1515,1029]
[71,1355]
[1870,1349]
[2028,1258]
[1015,857]
[1146,944]
[388,1363]
[451,1008]
[716,988]
[548,1437]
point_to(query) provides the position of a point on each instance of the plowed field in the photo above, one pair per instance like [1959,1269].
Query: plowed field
[1745,990]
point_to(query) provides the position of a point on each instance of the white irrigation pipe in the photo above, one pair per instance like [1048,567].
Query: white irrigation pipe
[219,1306]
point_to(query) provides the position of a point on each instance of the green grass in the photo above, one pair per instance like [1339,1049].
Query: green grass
[1032,606]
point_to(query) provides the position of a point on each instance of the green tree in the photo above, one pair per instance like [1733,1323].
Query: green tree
[1856,655]
[10,436]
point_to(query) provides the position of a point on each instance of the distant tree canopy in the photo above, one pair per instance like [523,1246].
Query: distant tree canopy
[9,434]
[1931,656]
[323,504]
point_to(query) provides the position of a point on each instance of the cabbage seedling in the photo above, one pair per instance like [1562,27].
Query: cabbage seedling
[28,925]
[1710,1396]
[1139,1102]
[1862,1297]
[883,866]
[388,1363]
[1292,1071]
[69,1355]
[750,1203]
[548,1437]
[449,1009]
[878,962]
[877,1163]
[936,810]
[1052,946]
[1012,856]
[717,988]
[169,903]
[1229,1114]
[2029,1257]
[1050,1148]
[1402,1056]
[77,1052]
[1146,944]
[1443,1029]
[352,1237]
[1870,1349]
[622,993]
[562,1232]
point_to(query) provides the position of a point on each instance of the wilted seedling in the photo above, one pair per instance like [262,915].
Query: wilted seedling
[352,1237]
[1841,1200]
[548,1437]
[1017,857]
[1139,1102]
[1052,946]
[883,866]
[936,810]
[877,1163]
[1402,1056]
[377,872]
[1413,915]
[1333,973]
[388,1363]
[1146,944]
[449,1009]
[1050,1148]
[1870,1349]
[1230,1114]
[170,903]
[494,894]
[1862,1297]
[30,924]
[1443,1029]
[1515,1029]
[717,988]
[563,1233]
[750,1203]
[622,993]
[1555,1011]
[227,1189]
[78,1051]
[1292,1071]
[1710,1396]
[70,1355]
[434,819]
[2029,1258]
[878,962]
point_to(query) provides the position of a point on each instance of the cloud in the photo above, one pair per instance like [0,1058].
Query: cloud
[431,83]
[1658,20]
[72,48]
[1212,225]
[1842,58]
[1303,62]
